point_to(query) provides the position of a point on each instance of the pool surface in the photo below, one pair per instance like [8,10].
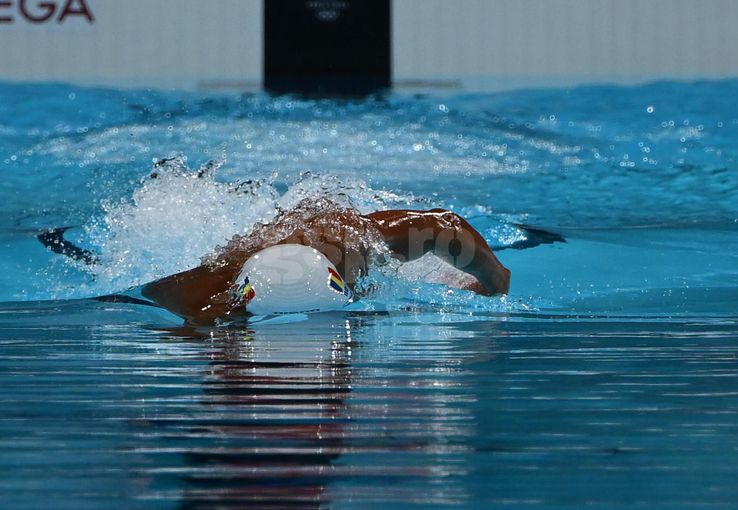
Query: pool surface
[607,378]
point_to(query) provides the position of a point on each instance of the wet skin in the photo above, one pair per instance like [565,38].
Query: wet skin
[349,240]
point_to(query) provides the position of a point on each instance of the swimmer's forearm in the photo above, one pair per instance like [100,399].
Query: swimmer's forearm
[411,234]
[490,272]
[471,254]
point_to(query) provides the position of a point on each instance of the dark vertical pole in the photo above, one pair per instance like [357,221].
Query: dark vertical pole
[326,47]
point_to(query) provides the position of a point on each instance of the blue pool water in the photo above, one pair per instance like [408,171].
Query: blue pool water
[608,378]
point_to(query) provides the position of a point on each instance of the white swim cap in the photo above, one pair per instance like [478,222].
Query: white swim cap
[289,278]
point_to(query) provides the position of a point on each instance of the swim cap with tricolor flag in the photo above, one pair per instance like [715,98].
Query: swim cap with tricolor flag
[289,278]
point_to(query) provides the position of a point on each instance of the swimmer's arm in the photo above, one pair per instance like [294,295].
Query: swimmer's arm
[199,295]
[411,234]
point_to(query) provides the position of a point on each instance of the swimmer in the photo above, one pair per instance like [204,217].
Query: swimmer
[347,242]
[325,248]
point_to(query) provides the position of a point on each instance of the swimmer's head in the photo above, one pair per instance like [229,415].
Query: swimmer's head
[288,278]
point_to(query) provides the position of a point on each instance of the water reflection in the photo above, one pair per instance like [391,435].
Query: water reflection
[306,414]
[402,411]
[270,420]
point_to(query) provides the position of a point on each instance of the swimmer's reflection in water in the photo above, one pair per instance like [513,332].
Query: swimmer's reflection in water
[277,424]
[272,422]
[351,241]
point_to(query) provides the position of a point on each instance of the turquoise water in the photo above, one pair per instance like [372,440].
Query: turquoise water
[606,379]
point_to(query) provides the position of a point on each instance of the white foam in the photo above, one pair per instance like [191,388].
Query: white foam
[175,219]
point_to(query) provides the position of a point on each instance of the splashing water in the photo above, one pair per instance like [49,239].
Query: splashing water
[169,223]
[178,216]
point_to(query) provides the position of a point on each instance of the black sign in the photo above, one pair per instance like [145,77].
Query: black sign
[326,47]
